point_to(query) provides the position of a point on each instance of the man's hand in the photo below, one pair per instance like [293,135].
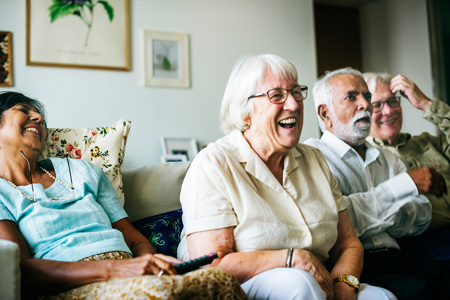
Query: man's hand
[428,180]
[411,91]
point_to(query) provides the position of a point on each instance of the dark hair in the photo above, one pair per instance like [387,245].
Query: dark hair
[9,99]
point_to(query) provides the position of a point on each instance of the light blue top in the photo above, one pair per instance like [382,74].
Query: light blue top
[66,230]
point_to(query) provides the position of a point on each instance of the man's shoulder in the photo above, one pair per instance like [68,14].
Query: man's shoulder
[314,142]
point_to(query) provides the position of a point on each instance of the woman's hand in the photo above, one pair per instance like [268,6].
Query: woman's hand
[305,260]
[148,264]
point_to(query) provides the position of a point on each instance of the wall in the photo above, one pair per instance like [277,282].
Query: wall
[395,39]
[220,32]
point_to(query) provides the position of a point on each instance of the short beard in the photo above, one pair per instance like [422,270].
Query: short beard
[351,133]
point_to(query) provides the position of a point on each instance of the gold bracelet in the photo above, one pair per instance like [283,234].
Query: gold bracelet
[289,257]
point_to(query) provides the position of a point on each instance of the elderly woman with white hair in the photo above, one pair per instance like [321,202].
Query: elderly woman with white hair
[268,205]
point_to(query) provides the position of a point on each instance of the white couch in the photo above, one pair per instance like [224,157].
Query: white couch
[149,191]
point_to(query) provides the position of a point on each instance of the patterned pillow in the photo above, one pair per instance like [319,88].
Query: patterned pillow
[102,146]
[163,231]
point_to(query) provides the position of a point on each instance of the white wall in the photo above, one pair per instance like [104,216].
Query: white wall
[220,32]
[395,40]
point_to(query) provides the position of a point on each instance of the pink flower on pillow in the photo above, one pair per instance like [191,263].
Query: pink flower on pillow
[75,153]
[69,147]
[55,137]
[94,132]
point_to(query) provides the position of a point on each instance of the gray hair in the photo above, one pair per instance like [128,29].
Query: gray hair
[247,76]
[323,90]
[372,79]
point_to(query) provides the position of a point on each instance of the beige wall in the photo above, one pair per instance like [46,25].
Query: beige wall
[220,32]
[395,40]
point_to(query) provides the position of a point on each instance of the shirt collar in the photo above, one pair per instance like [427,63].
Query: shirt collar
[341,148]
[252,163]
[403,138]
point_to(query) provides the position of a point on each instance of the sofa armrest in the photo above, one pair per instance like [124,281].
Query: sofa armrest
[9,270]
[153,189]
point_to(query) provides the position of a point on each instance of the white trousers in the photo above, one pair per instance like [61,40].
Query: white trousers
[285,284]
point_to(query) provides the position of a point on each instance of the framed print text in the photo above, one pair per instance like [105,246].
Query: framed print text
[92,34]
[166,59]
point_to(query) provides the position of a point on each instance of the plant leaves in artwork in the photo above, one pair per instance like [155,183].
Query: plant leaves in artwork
[109,9]
[166,64]
[61,9]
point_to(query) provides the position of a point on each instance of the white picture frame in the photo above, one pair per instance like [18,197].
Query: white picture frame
[173,158]
[166,59]
[180,146]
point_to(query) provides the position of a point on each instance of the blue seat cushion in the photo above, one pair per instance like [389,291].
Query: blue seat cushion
[163,231]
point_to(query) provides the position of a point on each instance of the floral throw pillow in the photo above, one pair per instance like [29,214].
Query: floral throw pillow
[102,146]
[163,231]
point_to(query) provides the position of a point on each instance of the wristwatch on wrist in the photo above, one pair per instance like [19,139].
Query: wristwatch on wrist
[348,279]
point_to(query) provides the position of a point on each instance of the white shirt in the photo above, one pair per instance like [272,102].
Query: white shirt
[228,184]
[383,201]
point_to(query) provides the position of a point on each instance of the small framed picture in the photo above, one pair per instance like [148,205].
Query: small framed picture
[5,58]
[173,158]
[180,146]
[166,59]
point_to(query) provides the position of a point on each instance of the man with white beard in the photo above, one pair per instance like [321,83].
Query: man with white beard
[384,200]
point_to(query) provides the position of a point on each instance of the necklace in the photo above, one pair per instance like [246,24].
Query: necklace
[48,173]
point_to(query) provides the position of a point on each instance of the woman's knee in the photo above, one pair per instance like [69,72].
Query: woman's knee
[283,283]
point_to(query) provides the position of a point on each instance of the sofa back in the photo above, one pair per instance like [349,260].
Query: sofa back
[153,189]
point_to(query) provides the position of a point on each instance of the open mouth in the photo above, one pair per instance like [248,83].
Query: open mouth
[365,119]
[388,122]
[33,130]
[288,123]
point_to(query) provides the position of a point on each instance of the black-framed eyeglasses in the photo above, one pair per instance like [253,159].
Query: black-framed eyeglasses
[392,102]
[71,187]
[279,95]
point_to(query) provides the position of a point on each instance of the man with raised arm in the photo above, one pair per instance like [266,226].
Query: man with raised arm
[385,200]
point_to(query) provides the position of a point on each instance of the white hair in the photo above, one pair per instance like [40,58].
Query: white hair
[323,91]
[247,76]
[373,79]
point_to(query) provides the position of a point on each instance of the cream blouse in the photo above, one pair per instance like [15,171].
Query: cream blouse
[228,184]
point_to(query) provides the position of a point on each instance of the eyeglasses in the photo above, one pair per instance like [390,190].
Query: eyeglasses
[392,102]
[279,95]
[54,178]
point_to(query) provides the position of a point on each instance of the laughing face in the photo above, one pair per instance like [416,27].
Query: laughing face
[276,128]
[352,110]
[22,125]
[387,123]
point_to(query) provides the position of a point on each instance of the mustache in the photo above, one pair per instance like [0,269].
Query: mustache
[361,115]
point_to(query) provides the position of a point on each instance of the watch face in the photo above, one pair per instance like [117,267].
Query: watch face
[352,279]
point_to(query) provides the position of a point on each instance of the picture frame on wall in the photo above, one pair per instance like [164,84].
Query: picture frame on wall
[6,78]
[83,34]
[173,158]
[166,59]
[180,146]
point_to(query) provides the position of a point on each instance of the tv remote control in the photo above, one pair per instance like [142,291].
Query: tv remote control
[195,263]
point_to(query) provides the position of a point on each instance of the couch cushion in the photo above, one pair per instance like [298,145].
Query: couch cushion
[102,146]
[153,189]
[163,231]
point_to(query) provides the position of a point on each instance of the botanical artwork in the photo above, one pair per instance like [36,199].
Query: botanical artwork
[83,9]
[91,34]
[5,59]
[165,59]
